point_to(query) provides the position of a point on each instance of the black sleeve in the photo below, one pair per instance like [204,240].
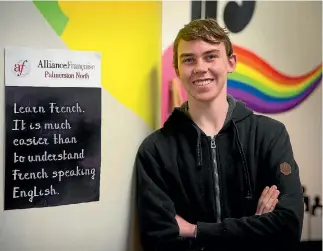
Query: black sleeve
[159,230]
[280,228]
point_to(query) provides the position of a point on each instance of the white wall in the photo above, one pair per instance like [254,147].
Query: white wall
[99,226]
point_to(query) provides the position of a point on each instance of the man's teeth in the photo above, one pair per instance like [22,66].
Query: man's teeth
[203,82]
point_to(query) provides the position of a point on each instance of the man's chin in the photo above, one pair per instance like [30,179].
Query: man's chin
[205,96]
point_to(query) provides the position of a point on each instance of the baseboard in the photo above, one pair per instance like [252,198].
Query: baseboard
[311,246]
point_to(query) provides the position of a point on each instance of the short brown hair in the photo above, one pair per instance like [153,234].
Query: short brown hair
[207,30]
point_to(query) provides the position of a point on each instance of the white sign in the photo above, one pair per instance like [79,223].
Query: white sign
[52,68]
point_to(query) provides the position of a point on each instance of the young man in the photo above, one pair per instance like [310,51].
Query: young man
[201,176]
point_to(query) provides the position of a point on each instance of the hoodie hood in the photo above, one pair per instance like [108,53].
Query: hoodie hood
[180,116]
[237,112]
[231,102]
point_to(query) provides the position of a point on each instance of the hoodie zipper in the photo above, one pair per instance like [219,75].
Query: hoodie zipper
[216,181]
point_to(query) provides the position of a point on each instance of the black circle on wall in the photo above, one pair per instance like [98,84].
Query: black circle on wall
[237,16]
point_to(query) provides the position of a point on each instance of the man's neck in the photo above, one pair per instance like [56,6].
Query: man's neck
[209,117]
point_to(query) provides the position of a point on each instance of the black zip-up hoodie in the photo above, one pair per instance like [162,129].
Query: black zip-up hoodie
[216,182]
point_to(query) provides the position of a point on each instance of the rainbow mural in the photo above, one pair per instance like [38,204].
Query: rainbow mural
[267,90]
[263,88]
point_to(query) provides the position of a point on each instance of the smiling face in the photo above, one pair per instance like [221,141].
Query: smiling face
[203,68]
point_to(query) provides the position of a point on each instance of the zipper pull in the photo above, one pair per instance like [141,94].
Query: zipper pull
[213,146]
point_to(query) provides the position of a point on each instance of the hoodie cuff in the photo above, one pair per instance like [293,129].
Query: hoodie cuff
[207,232]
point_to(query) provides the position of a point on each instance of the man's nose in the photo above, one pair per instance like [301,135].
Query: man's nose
[200,67]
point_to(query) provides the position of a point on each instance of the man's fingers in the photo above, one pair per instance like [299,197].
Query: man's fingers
[264,201]
[270,205]
[265,198]
[274,205]
[263,194]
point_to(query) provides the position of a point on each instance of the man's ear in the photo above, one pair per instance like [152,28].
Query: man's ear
[177,72]
[232,62]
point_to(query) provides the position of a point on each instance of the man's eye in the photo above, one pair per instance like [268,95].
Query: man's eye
[211,57]
[187,60]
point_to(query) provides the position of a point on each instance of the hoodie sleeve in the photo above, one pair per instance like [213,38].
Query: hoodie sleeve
[159,230]
[284,224]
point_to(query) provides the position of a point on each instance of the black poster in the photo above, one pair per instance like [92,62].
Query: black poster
[52,145]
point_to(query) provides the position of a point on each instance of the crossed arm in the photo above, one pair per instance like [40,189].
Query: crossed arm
[266,204]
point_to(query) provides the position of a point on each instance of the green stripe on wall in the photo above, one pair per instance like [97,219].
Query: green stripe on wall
[53,14]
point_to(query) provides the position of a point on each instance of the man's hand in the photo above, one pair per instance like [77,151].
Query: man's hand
[267,200]
[186,229]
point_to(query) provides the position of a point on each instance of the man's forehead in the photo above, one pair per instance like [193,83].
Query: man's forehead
[198,47]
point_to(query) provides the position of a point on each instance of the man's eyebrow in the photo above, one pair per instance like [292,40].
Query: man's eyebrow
[183,55]
[211,51]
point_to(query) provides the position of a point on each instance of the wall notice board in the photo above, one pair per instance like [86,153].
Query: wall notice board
[52,127]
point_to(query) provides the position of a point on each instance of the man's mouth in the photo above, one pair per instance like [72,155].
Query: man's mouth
[201,82]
